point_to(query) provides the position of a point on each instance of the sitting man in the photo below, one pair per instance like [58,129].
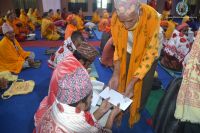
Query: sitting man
[74,45]
[12,57]
[48,28]
[68,110]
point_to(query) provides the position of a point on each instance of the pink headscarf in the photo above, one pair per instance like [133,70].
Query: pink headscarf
[6,28]
[70,81]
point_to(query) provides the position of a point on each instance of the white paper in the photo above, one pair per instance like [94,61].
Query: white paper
[95,99]
[116,98]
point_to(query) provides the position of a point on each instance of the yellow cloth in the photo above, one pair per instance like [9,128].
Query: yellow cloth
[165,15]
[31,16]
[185,19]
[18,88]
[103,24]
[95,17]
[37,17]
[26,21]
[8,76]
[145,50]
[105,15]
[48,30]
[188,101]
[80,23]
[11,59]
[69,30]
[170,28]
[57,16]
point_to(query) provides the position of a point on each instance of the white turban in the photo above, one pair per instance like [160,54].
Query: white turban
[6,28]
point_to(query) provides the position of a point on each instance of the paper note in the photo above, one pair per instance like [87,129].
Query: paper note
[115,98]
[95,99]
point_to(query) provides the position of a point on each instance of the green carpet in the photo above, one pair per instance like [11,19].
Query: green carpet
[153,100]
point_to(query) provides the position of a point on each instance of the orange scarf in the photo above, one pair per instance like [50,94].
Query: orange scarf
[145,38]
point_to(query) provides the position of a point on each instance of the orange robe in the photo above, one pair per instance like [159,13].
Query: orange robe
[80,23]
[105,15]
[48,30]
[26,21]
[144,52]
[57,17]
[103,24]
[11,59]
[69,30]
[37,17]
[95,17]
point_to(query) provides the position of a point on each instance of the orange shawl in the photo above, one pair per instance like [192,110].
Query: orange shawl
[69,30]
[145,50]
[11,59]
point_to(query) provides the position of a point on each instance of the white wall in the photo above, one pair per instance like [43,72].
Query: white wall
[51,4]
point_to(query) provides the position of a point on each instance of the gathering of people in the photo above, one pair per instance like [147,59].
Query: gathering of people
[135,39]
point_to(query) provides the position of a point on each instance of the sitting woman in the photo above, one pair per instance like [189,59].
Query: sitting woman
[68,112]
[12,57]
[48,28]
[176,48]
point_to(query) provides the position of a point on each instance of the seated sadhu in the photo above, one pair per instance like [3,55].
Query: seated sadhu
[57,16]
[80,23]
[68,111]
[12,57]
[71,26]
[20,31]
[104,24]
[78,47]
[105,14]
[33,18]
[37,17]
[48,28]
[96,17]
[26,20]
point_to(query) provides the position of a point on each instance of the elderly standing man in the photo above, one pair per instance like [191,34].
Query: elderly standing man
[135,29]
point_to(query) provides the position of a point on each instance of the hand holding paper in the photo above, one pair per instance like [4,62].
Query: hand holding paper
[116,98]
